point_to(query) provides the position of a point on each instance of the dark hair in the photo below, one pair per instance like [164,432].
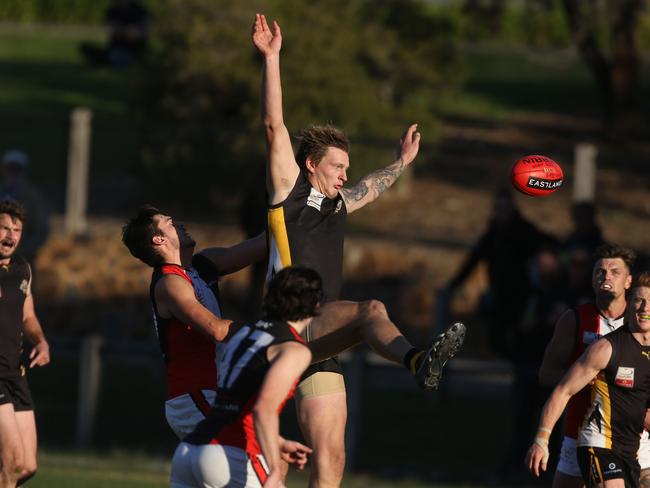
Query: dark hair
[12,208]
[612,251]
[293,294]
[138,233]
[316,139]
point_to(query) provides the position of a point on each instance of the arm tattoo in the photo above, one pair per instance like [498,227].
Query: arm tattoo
[382,179]
[357,192]
[376,182]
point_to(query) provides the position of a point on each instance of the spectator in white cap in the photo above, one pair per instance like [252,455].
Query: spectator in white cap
[14,185]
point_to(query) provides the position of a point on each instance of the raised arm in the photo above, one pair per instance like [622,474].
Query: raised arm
[557,356]
[288,361]
[232,259]
[374,184]
[175,297]
[584,370]
[282,169]
[40,354]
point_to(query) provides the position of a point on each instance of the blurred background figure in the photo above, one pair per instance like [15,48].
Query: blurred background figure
[507,247]
[548,300]
[586,232]
[128,23]
[16,186]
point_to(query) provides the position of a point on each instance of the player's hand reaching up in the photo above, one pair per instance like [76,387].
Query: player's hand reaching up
[294,453]
[266,41]
[409,144]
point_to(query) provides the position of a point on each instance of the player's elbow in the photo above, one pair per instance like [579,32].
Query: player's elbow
[272,127]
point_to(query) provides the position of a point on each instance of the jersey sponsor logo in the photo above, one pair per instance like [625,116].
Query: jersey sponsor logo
[24,287]
[646,354]
[589,337]
[339,205]
[624,377]
[612,469]
[315,199]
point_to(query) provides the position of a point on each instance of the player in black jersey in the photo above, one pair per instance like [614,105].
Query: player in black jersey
[618,366]
[308,205]
[239,443]
[17,318]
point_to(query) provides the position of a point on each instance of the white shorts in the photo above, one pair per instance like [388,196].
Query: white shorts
[184,412]
[568,463]
[214,466]
[644,451]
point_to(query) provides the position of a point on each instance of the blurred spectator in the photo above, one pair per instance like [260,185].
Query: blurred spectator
[578,249]
[579,264]
[15,186]
[507,247]
[128,23]
[586,233]
[547,302]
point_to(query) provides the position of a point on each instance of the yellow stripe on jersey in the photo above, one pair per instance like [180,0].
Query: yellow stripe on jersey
[279,238]
[601,390]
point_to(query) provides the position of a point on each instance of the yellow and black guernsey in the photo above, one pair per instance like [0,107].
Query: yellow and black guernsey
[307,229]
[619,397]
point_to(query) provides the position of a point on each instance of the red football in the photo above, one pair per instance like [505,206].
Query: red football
[536,176]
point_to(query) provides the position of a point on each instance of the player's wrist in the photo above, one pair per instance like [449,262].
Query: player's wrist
[543,433]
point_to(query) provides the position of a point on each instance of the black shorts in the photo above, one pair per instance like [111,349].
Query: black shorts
[331,365]
[598,465]
[16,391]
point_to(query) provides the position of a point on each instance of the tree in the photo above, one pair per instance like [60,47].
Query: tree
[344,61]
[617,77]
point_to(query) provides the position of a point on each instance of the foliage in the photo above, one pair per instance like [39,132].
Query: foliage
[352,63]
[58,11]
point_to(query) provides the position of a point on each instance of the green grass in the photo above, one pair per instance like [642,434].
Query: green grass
[69,469]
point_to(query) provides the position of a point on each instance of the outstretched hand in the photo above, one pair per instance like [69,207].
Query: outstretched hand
[266,41]
[294,453]
[409,144]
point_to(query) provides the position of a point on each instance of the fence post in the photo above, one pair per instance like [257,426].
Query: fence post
[78,159]
[90,372]
[584,174]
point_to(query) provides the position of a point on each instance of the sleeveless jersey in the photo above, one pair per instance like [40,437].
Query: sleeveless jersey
[590,326]
[619,397]
[242,370]
[14,287]
[190,357]
[307,229]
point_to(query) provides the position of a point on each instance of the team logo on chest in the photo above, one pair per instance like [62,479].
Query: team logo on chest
[624,377]
[338,206]
[315,199]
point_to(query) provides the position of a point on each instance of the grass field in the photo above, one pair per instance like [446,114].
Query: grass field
[128,470]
